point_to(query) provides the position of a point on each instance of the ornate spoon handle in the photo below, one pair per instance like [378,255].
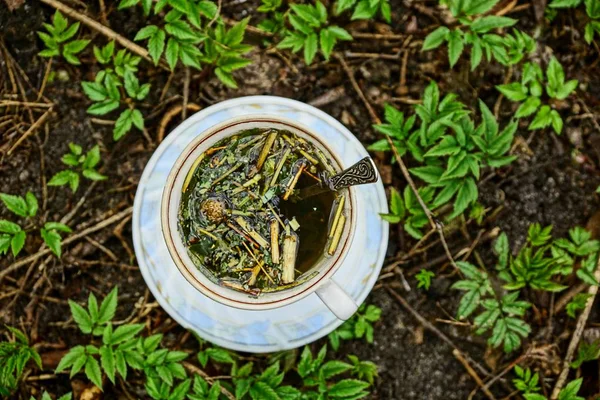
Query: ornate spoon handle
[358,174]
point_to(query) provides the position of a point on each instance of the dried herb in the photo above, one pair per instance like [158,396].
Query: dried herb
[240,221]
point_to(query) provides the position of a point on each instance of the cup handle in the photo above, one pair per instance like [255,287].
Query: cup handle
[337,300]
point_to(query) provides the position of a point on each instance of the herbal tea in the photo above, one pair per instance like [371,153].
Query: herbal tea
[242,218]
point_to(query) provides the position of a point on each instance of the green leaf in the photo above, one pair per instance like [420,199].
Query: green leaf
[487,23]
[126,332]
[396,203]
[103,107]
[9,227]
[455,46]
[17,242]
[92,371]
[528,107]
[564,3]
[262,391]
[429,174]
[81,317]
[52,240]
[363,11]
[542,119]
[93,175]
[220,355]
[310,48]
[346,388]
[156,45]
[340,33]
[570,391]
[333,368]
[235,35]
[436,38]
[15,204]
[226,78]
[123,124]
[327,40]
[70,358]
[513,91]
[107,358]
[478,6]
[32,204]
[75,46]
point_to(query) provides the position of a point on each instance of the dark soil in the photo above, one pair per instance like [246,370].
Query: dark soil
[553,182]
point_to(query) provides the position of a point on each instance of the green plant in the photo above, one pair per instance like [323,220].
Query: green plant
[311,31]
[365,9]
[526,382]
[529,91]
[579,245]
[76,159]
[193,33]
[57,39]
[12,235]
[46,396]
[507,49]
[586,352]
[106,91]
[14,356]
[577,303]
[121,348]
[357,327]
[276,22]
[569,392]
[501,314]
[592,9]
[541,260]
[424,279]
[449,150]
[315,373]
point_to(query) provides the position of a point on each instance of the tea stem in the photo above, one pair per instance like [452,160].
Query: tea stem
[262,242]
[190,174]
[284,157]
[275,241]
[337,235]
[290,246]
[266,149]
[293,183]
[336,218]
[247,184]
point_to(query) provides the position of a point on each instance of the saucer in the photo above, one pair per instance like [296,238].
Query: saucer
[284,328]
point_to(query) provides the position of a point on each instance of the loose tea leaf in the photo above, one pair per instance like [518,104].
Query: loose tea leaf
[240,220]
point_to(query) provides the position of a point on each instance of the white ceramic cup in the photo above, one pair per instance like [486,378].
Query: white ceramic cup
[336,299]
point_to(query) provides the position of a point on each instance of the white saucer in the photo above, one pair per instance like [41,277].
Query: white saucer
[255,331]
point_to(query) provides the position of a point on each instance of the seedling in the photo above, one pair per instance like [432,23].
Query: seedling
[84,164]
[529,92]
[578,303]
[592,10]
[14,357]
[506,49]
[192,34]
[46,396]
[107,94]
[58,42]
[365,9]
[452,151]
[311,31]
[526,382]
[424,279]
[357,327]
[12,235]
[569,392]
[586,352]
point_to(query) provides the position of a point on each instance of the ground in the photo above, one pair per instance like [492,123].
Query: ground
[552,182]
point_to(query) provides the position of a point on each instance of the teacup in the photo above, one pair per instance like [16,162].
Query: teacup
[332,295]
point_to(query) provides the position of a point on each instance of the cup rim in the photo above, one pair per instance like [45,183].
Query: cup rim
[179,255]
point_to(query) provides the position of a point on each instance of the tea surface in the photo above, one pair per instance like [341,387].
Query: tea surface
[241,218]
